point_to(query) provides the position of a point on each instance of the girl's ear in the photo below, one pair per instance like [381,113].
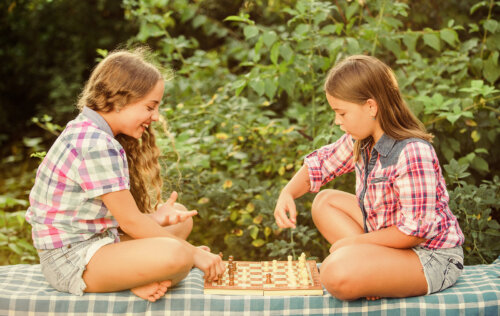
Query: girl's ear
[372,107]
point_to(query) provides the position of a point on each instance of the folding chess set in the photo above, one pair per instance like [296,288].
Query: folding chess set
[286,278]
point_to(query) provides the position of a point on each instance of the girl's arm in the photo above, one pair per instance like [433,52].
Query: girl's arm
[389,237]
[296,187]
[138,225]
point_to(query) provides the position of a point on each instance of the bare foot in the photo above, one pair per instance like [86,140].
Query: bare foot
[373,298]
[152,291]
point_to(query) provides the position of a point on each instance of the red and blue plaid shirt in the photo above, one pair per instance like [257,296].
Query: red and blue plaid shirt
[400,185]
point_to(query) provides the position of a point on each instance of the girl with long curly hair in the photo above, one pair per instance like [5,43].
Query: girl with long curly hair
[95,208]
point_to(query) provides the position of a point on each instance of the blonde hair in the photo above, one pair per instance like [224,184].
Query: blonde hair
[359,78]
[121,78]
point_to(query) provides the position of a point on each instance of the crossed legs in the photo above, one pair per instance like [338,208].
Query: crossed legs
[146,266]
[362,270]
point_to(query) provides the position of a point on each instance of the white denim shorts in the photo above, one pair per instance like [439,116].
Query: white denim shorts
[63,267]
[442,267]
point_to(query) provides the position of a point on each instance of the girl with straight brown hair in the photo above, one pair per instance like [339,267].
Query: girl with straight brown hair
[397,236]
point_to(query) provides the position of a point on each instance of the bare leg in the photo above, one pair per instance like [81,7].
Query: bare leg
[373,271]
[337,215]
[362,270]
[154,290]
[147,266]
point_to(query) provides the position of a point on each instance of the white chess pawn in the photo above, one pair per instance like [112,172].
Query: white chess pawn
[302,257]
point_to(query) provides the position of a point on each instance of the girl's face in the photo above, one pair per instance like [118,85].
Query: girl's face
[354,119]
[134,118]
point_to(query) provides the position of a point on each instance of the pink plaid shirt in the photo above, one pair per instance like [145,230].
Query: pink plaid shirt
[84,163]
[401,185]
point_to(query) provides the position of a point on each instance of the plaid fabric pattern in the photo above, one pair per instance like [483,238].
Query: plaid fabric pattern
[24,291]
[401,185]
[84,163]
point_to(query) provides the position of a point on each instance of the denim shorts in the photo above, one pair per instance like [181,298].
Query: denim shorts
[63,267]
[442,267]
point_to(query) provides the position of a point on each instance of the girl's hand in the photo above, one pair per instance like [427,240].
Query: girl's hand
[209,263]
[285,205]
[167,214]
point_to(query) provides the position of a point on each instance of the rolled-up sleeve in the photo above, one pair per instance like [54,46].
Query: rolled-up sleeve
[416,186]
[329,162]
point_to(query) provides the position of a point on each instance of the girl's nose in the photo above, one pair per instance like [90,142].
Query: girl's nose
[337,120]
[156,115]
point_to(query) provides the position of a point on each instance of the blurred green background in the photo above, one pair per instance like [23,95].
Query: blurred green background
[246,103]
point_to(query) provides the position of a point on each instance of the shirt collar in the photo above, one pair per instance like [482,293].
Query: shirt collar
[384,145]
[97,119]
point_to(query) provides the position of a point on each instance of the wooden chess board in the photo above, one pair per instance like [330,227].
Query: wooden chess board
[255,283]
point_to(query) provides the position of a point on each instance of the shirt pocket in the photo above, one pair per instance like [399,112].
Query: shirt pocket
[380,195]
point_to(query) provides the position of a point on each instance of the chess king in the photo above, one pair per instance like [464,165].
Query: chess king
[399,216]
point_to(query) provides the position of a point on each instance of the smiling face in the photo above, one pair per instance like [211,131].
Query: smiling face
[134,118]
[354,119]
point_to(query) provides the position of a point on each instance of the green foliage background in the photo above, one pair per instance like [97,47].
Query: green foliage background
[246,105]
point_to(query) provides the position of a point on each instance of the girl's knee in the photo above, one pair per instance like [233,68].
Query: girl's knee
[322,199]
[176,255]
[338,278]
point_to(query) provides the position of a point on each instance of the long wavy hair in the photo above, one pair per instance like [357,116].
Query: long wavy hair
[124,77]
[359,78]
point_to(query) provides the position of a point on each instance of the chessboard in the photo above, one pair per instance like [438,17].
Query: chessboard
[285,278]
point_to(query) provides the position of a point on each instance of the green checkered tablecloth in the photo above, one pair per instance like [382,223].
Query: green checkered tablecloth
[24,291]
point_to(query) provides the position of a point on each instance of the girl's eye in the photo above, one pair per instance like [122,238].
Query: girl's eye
[150,108]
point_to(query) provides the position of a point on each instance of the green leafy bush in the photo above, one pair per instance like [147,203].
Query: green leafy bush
[475,208]
[247,103]
[16,245]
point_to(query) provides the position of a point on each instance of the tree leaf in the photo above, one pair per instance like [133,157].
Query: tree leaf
[449,36]
[250,31]
[258,243]
[269,38]
[275,51]
[410,39]
[432,40]
[491,70]
[258,86]
[491,26]
[286,52]
[270,88]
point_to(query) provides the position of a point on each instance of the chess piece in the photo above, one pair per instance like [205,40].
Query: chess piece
[234,266]
[302,257]
[268,278]
[231,282]
[219,279]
